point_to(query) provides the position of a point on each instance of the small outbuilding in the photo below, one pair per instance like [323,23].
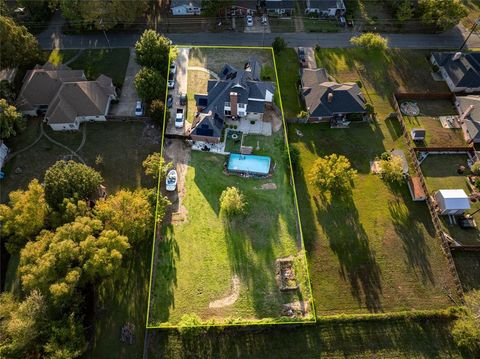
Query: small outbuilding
[452,201]
[418,134]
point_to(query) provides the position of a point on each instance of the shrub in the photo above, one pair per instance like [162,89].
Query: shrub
[392,170]
[466,330]
[370,41]
[386,156]
[476,168]
[232,202]
[370,109]
[359,83]
[156,111]
[294,157]
[252,122]
[150,84]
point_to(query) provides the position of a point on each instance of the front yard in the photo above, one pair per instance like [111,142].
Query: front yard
[225,270]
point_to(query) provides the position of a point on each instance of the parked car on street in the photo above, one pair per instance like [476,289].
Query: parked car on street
[169,101]
[173,67]
[183,99]
[171,81]
[139,109]
[302,57]
[249,20]
[179,119]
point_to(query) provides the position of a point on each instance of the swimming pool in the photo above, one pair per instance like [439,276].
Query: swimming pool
[251,164]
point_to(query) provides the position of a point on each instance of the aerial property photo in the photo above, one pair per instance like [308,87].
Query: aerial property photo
[239,179]
[230,250]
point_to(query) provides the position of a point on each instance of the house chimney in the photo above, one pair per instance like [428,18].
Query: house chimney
[233,103]
[330,97]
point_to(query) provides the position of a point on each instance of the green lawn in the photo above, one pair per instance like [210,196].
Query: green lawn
[288,77]
[199,257]
[376,339]
[440,172]
[371,250]
[320,25]
[109,62]
[277,24]
[468,266]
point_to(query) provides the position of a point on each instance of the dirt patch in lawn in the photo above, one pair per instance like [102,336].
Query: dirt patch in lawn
[231,298]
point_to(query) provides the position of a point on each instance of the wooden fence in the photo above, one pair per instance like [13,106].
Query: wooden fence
[445,244]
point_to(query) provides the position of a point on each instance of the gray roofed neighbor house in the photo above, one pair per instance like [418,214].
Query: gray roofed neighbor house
[464,71]
[280,4]
[193,3]
[330,98]
[472,121]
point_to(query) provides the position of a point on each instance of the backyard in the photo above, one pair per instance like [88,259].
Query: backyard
[428,119]
[440,172]
[225,270]
[374,249]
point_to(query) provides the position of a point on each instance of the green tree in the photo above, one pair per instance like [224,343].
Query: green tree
[332,173]
[58,263]
[404,10]
[19,48]
[11,121]
[370,41]
[70,179]
[152,50]
[476,168]
[21,325]
[232,202]
[391,170]
[155,164]
[443,14]
[150,84]
[156,111]
[129,213]
[214,8]
[24,216]
[466,330]
[279,44]
[102,14]
[7,91]
[38,10]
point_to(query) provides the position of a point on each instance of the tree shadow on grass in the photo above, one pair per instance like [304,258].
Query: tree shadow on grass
[165,280]
[414,245]
[349,241]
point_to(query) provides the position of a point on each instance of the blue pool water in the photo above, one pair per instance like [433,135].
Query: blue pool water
[249,164]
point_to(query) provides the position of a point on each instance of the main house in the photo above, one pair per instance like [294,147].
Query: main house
[460,70]
[65,96]
[238,94]
[326,7]
[186,7]
[327,100]
[280,7]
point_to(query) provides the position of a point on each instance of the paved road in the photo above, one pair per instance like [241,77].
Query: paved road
[447,40]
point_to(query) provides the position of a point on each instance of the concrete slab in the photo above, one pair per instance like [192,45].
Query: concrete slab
[128,96]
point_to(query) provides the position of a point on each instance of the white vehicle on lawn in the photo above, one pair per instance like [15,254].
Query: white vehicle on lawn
[171,181]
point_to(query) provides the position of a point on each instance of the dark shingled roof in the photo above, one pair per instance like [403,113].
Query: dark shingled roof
[323,4]
[347,98]
[464,72]
[311,77]
[207,126]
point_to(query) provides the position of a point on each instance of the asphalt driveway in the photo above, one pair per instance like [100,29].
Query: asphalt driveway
[128,96]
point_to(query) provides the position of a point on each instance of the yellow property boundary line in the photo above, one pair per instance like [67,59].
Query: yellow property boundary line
[295,198]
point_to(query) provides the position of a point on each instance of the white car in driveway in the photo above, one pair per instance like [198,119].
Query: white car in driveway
[171,181]
[173,67]
[179,119]
[249,20]
[139,109]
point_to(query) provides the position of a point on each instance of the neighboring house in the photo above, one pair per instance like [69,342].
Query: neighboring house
[468,107]
[280,7]
[3,153]
[325,7]
[186,7]
[65,96]
[327,100]
[244,7]
[461,71]
[238,94]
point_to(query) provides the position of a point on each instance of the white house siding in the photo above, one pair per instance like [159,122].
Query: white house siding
[185,10]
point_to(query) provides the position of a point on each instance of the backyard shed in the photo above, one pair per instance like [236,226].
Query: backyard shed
[418,134]
[416,189]
[452,201]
